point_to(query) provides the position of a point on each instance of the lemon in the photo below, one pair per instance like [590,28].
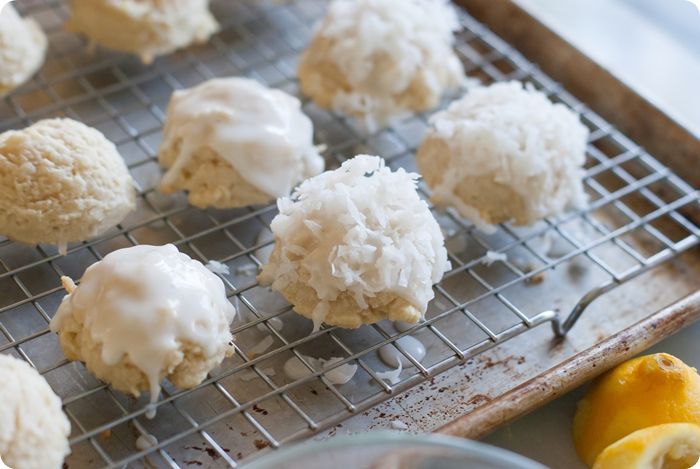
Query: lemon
[666,446]
[639,393]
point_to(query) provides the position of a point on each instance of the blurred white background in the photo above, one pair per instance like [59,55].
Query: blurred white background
[652,45]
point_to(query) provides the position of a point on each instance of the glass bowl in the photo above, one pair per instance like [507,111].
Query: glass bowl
[392,450]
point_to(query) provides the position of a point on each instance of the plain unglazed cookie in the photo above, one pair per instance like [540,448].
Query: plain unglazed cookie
[61,181]
[147,28]
[143,314]
[232,142]
[356,245]
[505,152]
[33,428]
[22,49]
[381,59]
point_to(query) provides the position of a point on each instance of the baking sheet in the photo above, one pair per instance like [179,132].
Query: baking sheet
[248,405]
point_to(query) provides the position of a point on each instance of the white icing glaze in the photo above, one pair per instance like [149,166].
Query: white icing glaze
[393,357]
[259,131]
[144,302]
[146,441]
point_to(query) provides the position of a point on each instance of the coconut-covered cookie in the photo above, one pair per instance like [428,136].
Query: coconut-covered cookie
[505,152]
[381,59]
[147,28]
[232,142]
[144,314]
[356,245]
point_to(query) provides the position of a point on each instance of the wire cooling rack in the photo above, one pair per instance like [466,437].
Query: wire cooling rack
[634,221]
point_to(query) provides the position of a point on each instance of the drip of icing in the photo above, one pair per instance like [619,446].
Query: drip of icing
[403,326]
[250,375]
[275,323]
[144,302]
[259,131]
[393,357]
[151,409]
[146,441]
[295,369]
[247,270]
[318,315]
[341,374]
[263,253]
[262,346]
[393,376]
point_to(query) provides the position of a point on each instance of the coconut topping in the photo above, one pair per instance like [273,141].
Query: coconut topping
[360,229]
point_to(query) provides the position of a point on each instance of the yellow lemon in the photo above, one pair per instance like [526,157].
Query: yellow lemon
[639,393]
[666,446]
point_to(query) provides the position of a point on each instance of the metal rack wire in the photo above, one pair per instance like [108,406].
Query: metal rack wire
[634,222]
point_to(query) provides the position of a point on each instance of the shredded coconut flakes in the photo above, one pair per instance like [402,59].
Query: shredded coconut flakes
[492,256]
[512,135]
[399,425]
[217,267]
[406,38]
[371,233]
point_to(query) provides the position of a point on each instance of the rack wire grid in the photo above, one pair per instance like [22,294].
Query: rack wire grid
[248,405]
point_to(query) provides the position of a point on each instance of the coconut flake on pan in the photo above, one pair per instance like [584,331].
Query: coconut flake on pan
[356,245]
[503,153]
[147,28]
[381,59]
[22,48]
[143,314]
[232,142]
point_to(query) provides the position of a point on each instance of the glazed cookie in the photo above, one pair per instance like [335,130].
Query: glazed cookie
[232,142]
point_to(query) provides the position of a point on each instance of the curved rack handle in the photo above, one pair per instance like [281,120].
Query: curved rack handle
[561,328]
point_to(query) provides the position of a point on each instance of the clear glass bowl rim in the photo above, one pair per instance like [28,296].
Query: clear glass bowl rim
[390,439]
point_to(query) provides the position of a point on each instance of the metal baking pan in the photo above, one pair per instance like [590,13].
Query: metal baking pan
[492,330]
